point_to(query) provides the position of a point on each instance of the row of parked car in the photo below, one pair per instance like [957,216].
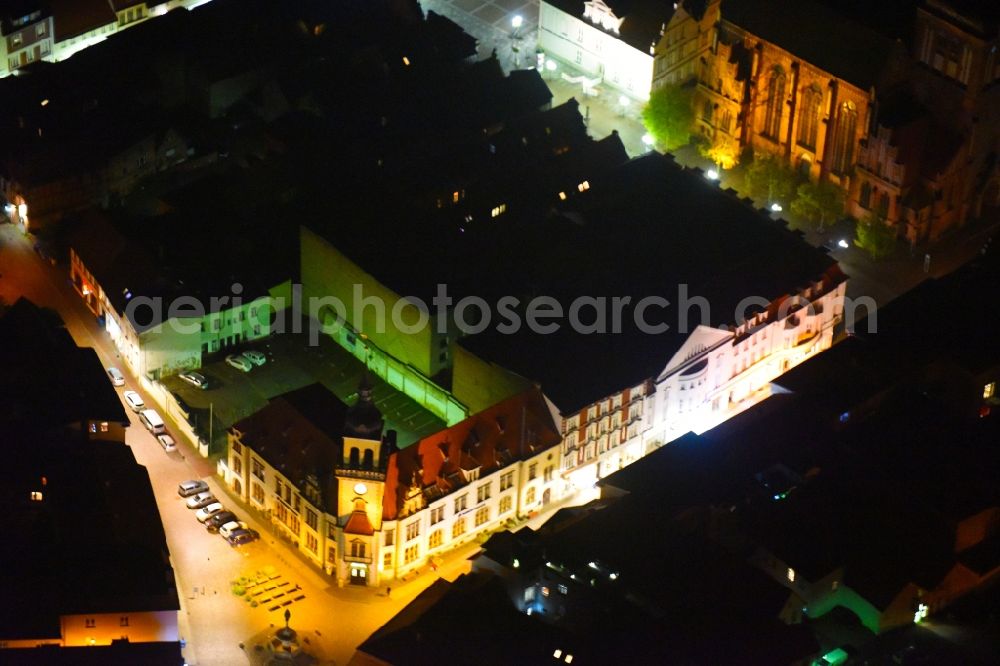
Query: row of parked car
[149,418]
[214,515]
[244,362]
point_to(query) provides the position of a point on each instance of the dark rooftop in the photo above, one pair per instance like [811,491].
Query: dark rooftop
[48,380]
[299,434]
[817,34]
[94,543]
[680,232]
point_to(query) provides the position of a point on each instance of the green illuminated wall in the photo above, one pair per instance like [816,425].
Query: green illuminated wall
[479,384]
[405,360]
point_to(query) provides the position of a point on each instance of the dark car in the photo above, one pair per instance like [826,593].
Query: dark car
[240,537]
[218,520]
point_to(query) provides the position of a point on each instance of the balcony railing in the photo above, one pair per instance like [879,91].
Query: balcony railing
[369,474]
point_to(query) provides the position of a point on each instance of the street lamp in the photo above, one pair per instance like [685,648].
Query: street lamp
[712,174]
[516,23]
[776,208]
[623,102]
[648,141]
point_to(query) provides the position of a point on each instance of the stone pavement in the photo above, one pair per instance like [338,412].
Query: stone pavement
[489,22]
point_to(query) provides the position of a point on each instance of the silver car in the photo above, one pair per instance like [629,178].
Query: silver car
[255,357]
[191,487]
[239,362]
[134,401]
[207,512]
[200,500]
[195,379]
[167,442]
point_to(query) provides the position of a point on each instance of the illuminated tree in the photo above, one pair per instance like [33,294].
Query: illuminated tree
[875,237]
[723,150]
[768,180]
[668,116]
[819,202]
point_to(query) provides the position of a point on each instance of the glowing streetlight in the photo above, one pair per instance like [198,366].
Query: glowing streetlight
[648,140]
[550,65]
[516,21]
[776,208]
[712,174]
[843,243]
[623,100]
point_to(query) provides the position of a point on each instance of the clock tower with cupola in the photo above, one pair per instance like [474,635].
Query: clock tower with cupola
[360,486]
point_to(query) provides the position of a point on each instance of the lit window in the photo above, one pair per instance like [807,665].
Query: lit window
[790,574]
[545,591]
[568,659]
[557,654]
[406,61]
[454,196]
[36,496]
[584,186]
[499,210]
[562,196]
[989,390]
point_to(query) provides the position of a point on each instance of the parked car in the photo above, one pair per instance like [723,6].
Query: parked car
[206,512]
[192,487]
[232,526]
[116,376]
[255,357]
[195,379]
[240,362]
[200,500]
[152,421]
[240,537]
[219,519]
[134,401]
[167,442]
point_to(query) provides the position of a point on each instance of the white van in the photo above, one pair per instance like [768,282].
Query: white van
[152,421]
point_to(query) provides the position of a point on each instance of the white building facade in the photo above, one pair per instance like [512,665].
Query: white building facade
[716,374]
[633,53]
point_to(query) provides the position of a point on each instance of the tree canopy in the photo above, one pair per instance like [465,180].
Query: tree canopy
[668,116]
[819,202]
[768,180]
[875,237]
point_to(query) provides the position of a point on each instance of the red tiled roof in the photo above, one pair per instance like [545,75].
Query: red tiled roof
[514,429]
[358,523]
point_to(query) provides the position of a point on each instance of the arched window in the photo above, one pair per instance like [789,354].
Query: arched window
[369,459]
[812,100]
[775,99]
[843,146]
[355,456]
[866,195]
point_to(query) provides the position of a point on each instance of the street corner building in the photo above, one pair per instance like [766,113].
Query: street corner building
[365,512]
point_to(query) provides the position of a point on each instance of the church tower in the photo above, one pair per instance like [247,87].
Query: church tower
[361,484]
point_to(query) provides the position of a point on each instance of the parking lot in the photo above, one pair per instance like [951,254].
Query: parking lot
[291,364]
